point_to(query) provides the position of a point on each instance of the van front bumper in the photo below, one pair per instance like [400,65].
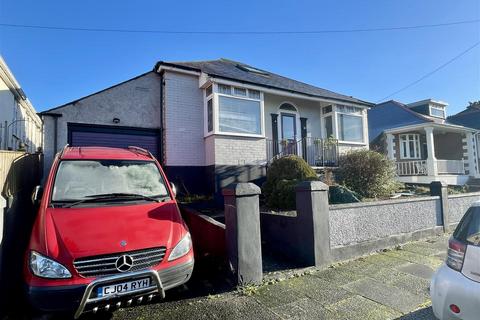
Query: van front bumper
[55,299]
[79,298]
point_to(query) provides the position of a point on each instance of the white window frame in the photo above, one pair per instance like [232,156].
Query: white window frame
[324,116]
[205,109]
[216,113]
[430,107]
[406,144]
[361,113]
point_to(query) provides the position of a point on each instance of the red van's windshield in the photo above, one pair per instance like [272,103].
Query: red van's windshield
[80,179]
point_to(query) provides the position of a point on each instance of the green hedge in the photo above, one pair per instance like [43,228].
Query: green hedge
[282,177]
[368,173]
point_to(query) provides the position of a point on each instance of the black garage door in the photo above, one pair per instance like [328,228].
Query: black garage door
[80,135]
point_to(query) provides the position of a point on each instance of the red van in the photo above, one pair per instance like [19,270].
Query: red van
[108,233]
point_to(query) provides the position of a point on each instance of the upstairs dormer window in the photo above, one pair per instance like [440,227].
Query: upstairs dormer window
[436,111]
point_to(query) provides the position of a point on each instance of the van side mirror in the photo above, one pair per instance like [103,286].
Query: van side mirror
[174,189]
[37,195]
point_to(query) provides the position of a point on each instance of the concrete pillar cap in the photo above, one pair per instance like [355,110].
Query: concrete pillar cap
[241,189]
[311,186]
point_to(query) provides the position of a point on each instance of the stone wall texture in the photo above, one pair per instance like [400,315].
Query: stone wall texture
[458,205]
[356,223]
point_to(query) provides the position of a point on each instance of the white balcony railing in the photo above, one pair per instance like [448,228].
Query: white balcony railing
[419,167]
[412,168]
[450,166]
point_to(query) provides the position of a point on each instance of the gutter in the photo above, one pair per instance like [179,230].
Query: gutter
[162,83]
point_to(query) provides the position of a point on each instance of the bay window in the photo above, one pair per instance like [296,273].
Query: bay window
[239,115]
[350,128]
[344,123]
[235,111]
[328,123]
[209,98]
[224,89]
[349,123]
[210,115]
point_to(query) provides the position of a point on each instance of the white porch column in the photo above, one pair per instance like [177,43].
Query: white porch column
[472,166]
[390,147]
[365,127]
[431,160]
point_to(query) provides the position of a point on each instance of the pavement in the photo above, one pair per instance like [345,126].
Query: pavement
[392,284]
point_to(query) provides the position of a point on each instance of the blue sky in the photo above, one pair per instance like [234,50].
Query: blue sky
[55,67]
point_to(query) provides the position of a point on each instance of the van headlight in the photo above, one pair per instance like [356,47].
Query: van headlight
[182,248]
[44,267]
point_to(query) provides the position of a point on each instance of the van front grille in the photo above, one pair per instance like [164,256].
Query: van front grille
[104,265]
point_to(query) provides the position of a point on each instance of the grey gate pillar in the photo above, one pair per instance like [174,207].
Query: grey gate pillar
[313,223]
[242,223]
[439,188]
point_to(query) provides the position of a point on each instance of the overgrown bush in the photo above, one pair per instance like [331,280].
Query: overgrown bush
[368,173]
[282,177]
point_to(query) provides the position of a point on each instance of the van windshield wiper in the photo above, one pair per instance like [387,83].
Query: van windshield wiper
[124,195]
[111,196]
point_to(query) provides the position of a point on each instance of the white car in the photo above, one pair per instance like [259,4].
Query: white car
[455,287]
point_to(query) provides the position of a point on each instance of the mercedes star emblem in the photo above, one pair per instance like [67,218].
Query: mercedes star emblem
[124,263]
[123,243]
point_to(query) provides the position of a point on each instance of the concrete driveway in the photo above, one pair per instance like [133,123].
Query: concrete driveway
[389,285]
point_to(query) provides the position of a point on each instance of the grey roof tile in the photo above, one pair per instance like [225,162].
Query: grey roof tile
[229,69]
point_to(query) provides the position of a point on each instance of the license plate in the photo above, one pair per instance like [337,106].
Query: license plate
[123,287]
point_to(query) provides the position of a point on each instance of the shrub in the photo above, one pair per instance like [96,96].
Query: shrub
[368,173]
[341,194]
[282,177]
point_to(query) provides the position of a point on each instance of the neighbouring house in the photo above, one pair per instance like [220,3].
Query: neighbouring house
[20,126]
[425,146]
[211,123]
[470,117]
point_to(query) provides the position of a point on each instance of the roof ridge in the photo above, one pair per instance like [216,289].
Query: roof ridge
[193,61]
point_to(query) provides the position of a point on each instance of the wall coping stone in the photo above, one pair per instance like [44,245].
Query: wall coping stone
[463,195]
[381,203]
[311,186]
[241,189]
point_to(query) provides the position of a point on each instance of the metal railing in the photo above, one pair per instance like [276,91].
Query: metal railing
[450,166]
[412,168]
[315,151]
